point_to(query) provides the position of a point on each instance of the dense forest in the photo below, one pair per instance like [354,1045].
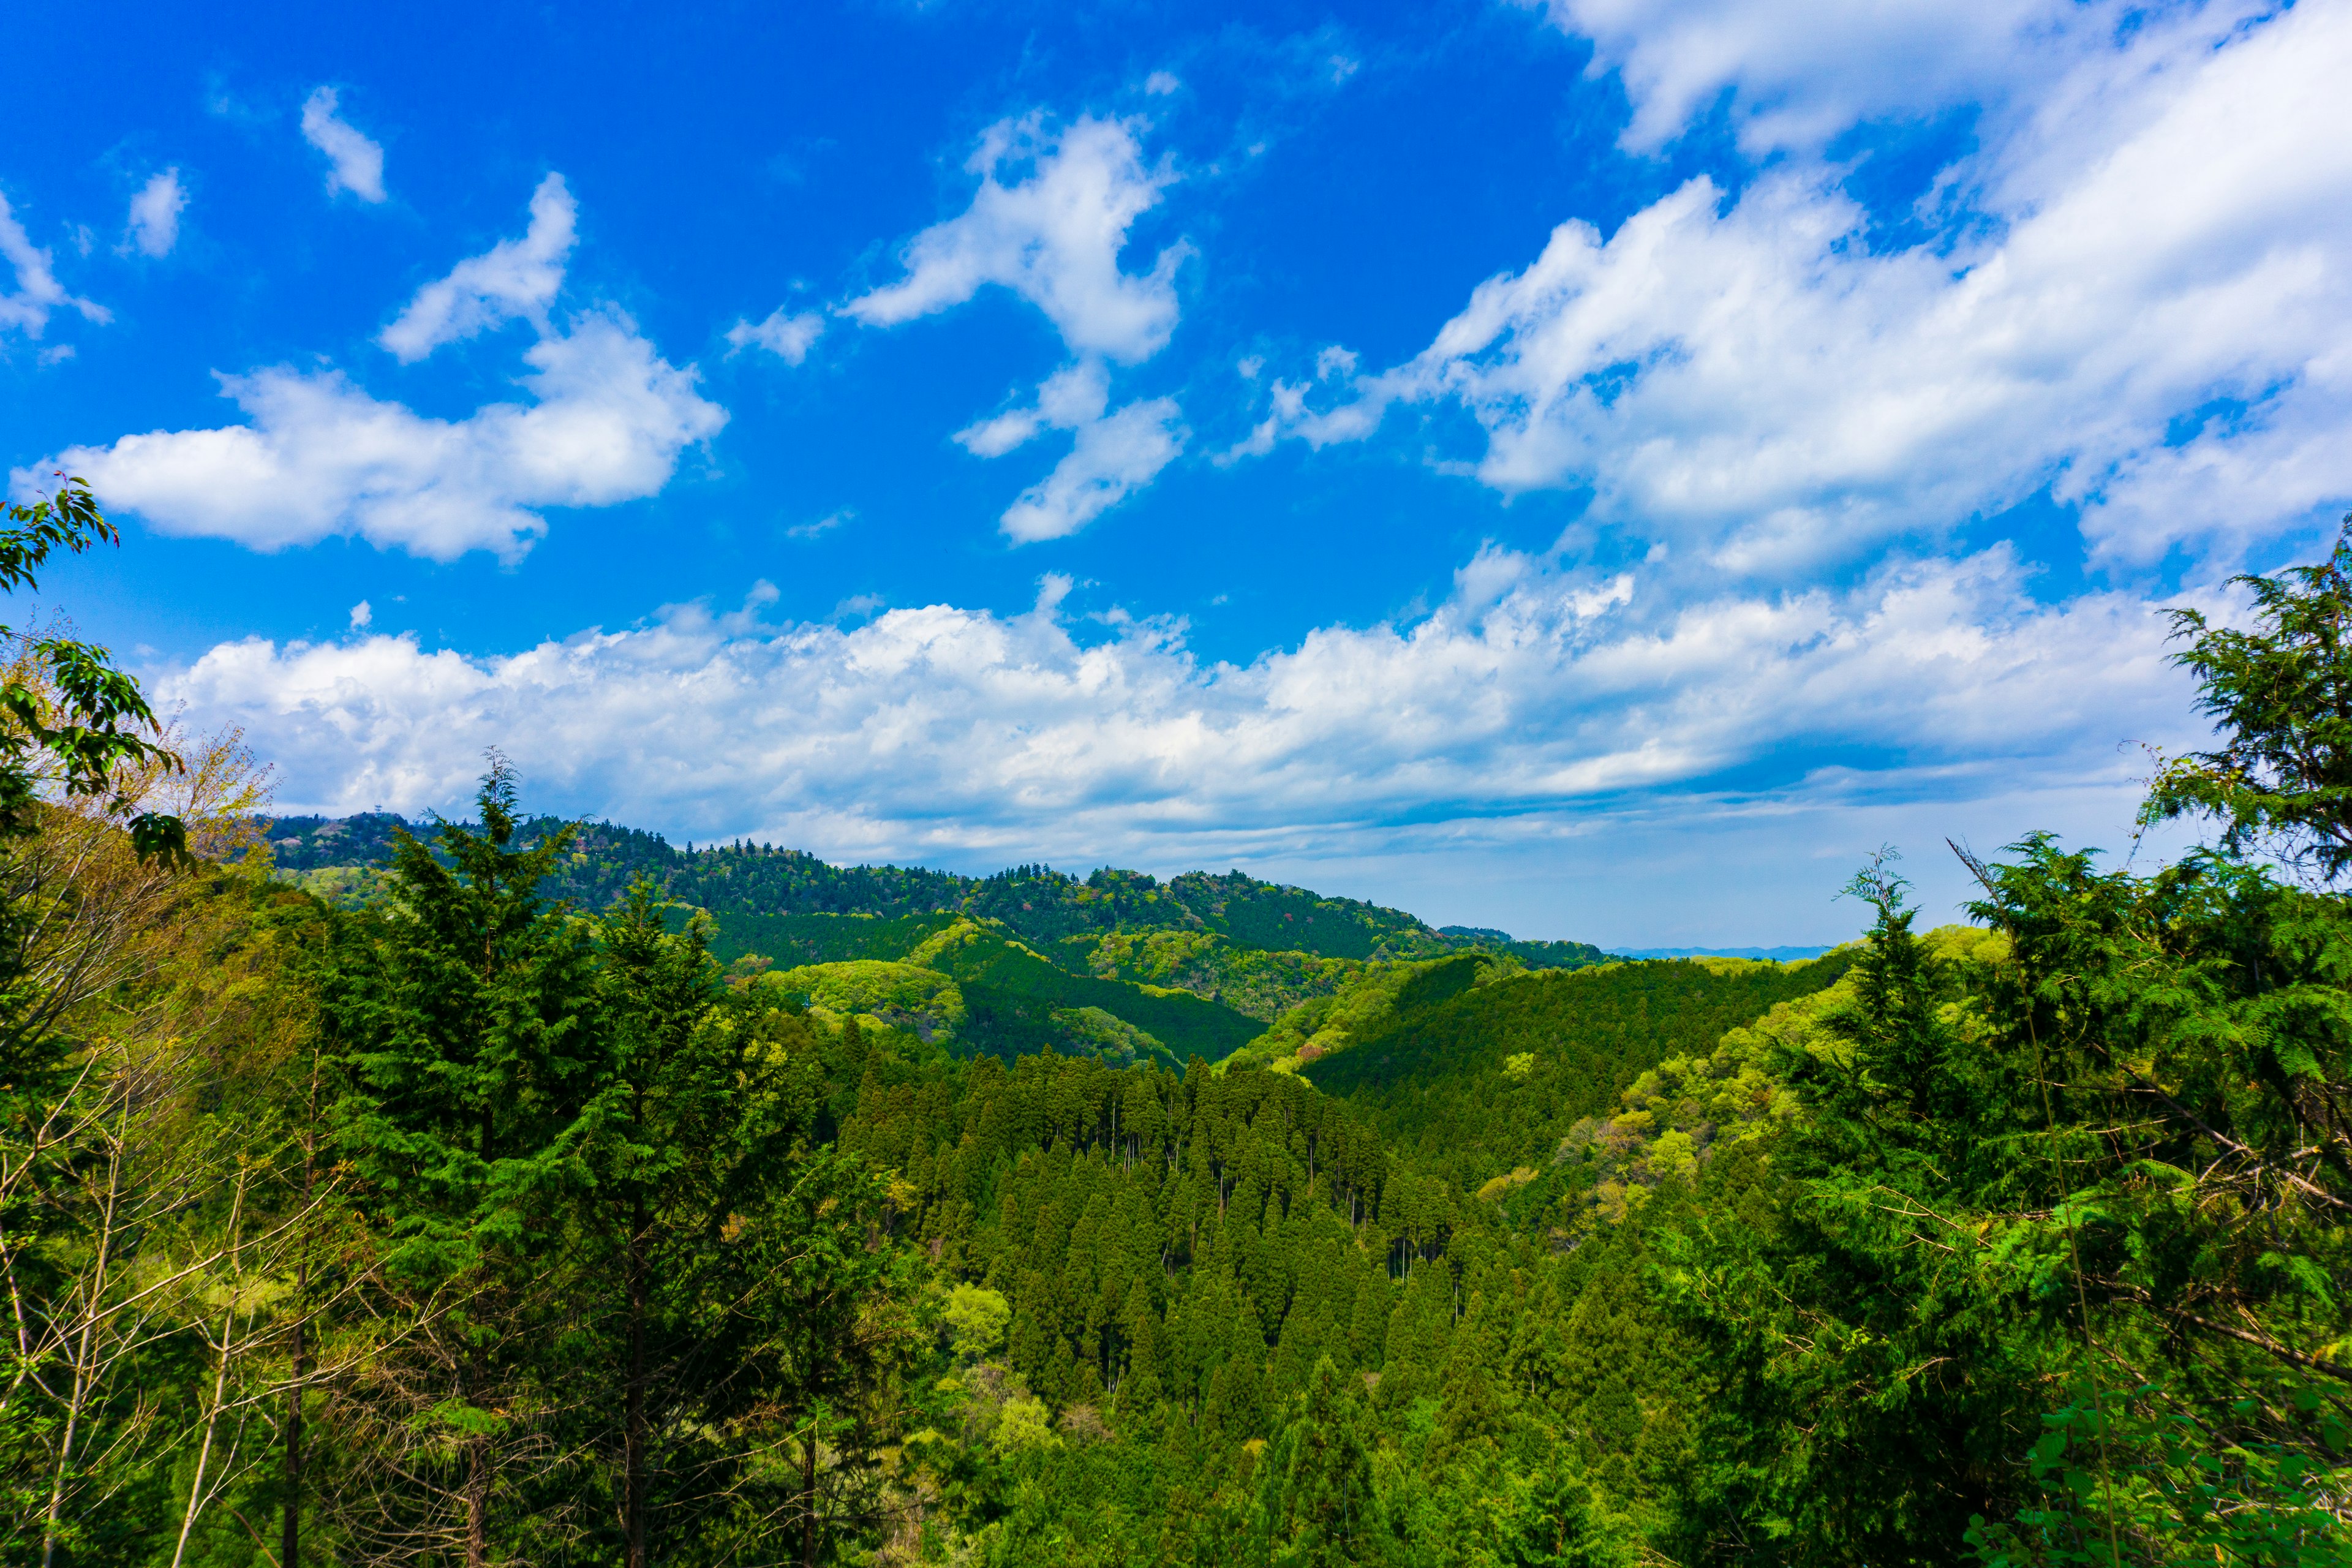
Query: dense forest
[515,1191]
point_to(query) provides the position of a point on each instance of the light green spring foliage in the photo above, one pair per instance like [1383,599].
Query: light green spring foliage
[1025,1423]
[1360,1006]
[975,1316]
[1680,1113]
[342,886]
[1109,1036]
[904,997]
[1248,980]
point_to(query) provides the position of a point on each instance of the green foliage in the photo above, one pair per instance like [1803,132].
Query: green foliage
[2281,693]
[1434,1076]
[975,1317]
[73,722]
[751,885]
[918,1227]
[1251,981]
[1020,1001]
[1367,1001]
[2135,1470]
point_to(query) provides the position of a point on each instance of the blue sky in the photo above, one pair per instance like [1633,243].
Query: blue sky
[1597,469]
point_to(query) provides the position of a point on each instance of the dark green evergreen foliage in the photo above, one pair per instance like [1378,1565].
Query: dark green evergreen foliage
[2281,694]
[460,1019]
[1317,1502]
[1435,1079]
[1533,954]
[1901,1416]
[788,941]
[1012,991]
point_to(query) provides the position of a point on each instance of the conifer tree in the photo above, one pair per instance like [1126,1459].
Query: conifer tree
[462,1023]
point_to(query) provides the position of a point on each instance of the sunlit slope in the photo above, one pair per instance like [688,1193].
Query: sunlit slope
[1491,1078]
[973,986]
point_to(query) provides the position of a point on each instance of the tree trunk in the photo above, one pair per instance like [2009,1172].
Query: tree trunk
[85,1350]
[289,1543]
[477,1476]
[204,1450]
[808,1496]
[634,1439]
[477,1503]
[289,1539]
[220,1381]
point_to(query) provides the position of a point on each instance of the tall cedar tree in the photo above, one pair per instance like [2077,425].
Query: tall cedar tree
[463,1025]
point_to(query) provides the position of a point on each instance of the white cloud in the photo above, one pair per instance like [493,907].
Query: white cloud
[1074,396]
[27,308]
[354,164]
[516,279]
[361,615]
[607,420]
[788,337]
[1797,72]
[823,525]
[1753,375]
[1052,238]
[1114,455]
[154,222]
[1159,84]
[318,456]
[1530,696]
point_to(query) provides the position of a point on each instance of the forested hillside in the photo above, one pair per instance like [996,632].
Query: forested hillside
[1040,905]
[508,1209]
[1118,965]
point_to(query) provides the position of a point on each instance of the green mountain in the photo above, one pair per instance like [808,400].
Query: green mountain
[1040,905]
[1118,965]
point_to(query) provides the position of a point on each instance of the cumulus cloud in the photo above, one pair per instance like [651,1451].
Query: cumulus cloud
[516,279]
[1053,236]
[354,164]
[318,456]
[1531,693]
[1114,455]
[1752,374]
[789,337]
[26,309]
[154,224]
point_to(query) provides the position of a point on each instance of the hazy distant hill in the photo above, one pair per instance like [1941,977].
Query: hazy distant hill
[1769,954]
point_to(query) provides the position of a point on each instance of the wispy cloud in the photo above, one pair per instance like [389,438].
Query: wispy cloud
[821,526]
[516,279]
[1797,74]
[153,228]
[1115,454]
[319,456]
[787,335]
[26,309]
[355,162]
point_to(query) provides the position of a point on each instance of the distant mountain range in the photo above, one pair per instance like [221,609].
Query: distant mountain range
[1116,965]
[1769,954]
